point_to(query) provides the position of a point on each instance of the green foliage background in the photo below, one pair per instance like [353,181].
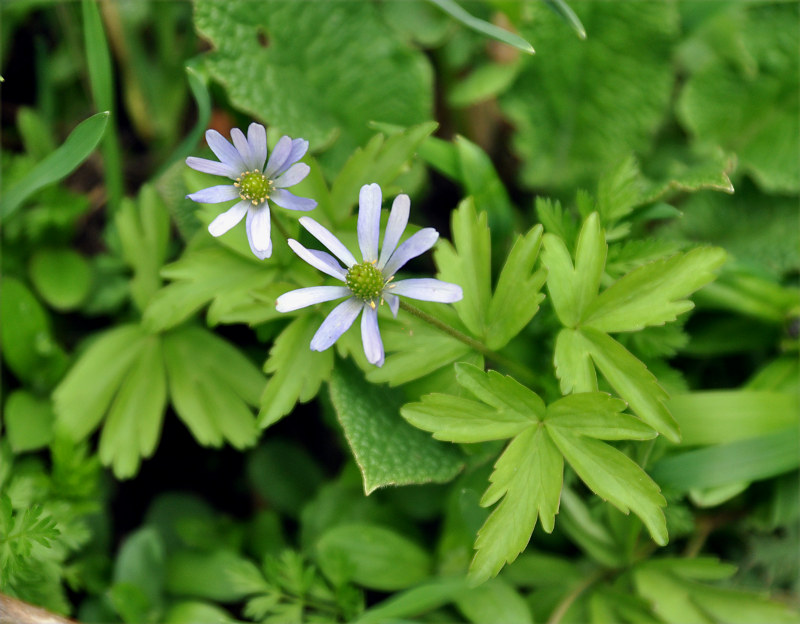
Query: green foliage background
[605,431]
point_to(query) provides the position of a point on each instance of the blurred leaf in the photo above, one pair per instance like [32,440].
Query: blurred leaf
[359,553]
[203,575]
[320,50]
[27,421]
[211,385]
[424,597]
[297,371]
[58,164]
[387,450]
[61,276]
[563,10]
[751,459]
[192,612]
[724,104]
[483,83]
[494,601]
[585,105]
[482,26]
[138,578]
[35,132]
[29,349]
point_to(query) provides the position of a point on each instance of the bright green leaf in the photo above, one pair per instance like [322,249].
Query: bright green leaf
[494,601]
[27,421]
[62,277]
[596,415]
[483,27]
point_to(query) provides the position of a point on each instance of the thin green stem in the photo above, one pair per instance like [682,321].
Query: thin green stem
[278,225]
[520,371]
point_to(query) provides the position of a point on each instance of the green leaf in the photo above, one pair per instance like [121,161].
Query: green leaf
[388,450]
[653,294]
[614,477]
[82,399]
[143,229]
[564,105]
[631,380]
[483,83]
[359,553]
[517,295]
[574,367]
[574,288]
[204,575]
[416,601]
[210,385]
[528,477]
[494,601]
[719,417]
[564,11]
[468,264]
[61,276]
[138,577]
[483,27]
[750,459]
[58,165]
[723,102]
[35,132]
[133,425]
[28,346]
[192,612]
[321,51]
[380,161]
[200,276]
[27,421]
[596,415]
[297,371]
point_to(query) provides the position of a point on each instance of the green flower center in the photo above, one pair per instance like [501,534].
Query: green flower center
[254,186]
[365,280]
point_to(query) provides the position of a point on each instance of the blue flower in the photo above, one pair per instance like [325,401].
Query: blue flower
[370,282]
[253,184]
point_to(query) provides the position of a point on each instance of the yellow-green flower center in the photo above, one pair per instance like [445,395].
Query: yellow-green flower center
[254,186]
[366,281]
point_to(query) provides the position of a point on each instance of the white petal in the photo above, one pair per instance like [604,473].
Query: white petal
[258,231]
[226,153]
[213,167]
[295,174]
[243,147]
[215,194]
[257,138]
[279,155]
[319,260]
[393,302]
[398,220]
[304,297]
[290,201]
[369,221]
[371,336]
[228,219]
[427,289]
[339,321]
[418,244]
[324,236]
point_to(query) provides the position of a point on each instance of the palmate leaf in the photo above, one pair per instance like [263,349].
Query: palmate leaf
[527,478]
[321,50]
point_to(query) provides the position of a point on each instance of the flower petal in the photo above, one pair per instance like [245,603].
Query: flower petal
[398,220]
[369,221]
[299,149]
[427,289]
[371,336]
[228,219]
[324,236]
[290,201]
[338,321]
[257,138]
[393,302]
[226,152]
[215,194]
[319,260]
[279,155]
[243,147]
[293,175]
[213,167]
[304,297]
[418,244]
[258,231]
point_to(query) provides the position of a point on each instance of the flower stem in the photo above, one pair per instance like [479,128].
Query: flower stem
[520,371]
[278,225]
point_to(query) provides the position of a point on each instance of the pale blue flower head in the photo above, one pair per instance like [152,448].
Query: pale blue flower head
[370,282]
[254,185]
